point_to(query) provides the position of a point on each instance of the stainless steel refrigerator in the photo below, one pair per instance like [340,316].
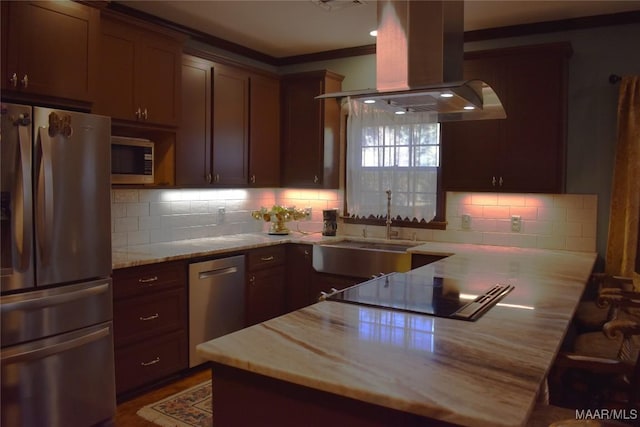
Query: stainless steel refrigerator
[56,301]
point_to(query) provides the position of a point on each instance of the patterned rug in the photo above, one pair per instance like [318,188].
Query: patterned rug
[189,408]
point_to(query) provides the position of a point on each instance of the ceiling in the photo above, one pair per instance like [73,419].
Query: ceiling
[297,27]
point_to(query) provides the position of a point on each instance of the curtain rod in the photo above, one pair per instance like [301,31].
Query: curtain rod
[614,78]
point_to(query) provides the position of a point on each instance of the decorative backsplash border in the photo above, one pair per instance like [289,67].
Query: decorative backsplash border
[548,221]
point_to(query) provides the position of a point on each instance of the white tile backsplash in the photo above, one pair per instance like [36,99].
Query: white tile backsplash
[154,216]
[549,221]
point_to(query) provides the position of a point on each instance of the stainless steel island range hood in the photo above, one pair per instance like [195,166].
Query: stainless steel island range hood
[419,63]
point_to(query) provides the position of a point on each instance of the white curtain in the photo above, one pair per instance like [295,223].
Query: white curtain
[387,151]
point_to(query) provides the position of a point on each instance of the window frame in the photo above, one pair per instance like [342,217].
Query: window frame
[437,223]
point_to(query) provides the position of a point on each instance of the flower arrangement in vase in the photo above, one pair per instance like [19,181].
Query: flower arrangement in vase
[278,216]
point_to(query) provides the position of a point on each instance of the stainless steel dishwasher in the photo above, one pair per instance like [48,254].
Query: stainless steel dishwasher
[216,301]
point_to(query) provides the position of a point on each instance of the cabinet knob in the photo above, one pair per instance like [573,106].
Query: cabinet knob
[14,80]
[145,114]
[493,181]
[252,279]
[208,178]
[306,252]
[217,178]
[315,179]
[25,81]
[253,179]
[138,113]
[500,182]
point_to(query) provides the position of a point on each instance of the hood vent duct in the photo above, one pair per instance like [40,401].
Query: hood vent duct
[419,64]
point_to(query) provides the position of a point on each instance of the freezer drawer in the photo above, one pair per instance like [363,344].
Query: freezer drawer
[38,314]
[66,380]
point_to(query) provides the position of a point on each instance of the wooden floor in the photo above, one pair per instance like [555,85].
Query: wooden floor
[126,411]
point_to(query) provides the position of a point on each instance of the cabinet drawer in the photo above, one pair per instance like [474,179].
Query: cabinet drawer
[266,257]
[139,318]
[128,282]
[150,360]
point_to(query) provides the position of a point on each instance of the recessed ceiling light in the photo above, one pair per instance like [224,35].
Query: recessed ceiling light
[401,112]
[446,95]
[373,33]
[469,107]
[369,101]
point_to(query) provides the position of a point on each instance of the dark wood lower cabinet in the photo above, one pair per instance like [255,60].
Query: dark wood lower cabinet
[265,287]
[283,404]
[150,360]
[150,324]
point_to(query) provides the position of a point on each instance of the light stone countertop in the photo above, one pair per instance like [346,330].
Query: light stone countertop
[132,256]
[482,373]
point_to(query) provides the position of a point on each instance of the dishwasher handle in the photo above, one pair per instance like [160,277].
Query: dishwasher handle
[217,272]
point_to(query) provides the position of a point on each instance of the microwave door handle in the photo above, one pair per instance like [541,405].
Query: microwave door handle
[45,196]
[22,208]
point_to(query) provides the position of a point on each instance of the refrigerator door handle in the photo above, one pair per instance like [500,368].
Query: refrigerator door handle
[45,196]
[23,204]
[53,300]
[42,352]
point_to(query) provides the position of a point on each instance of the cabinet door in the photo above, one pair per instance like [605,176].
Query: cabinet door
[471,150]
[533,150]
[158,79]
[193,149]
[265,294]
[302,140]
[264,128]
[526,151]
[116,91]
[51,48]
[299,276]
[139,78]
[230,126]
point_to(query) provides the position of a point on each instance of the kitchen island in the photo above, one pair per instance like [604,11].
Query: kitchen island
[346,364]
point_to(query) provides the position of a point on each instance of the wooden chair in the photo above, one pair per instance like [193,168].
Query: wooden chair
[592,314]
[613,384]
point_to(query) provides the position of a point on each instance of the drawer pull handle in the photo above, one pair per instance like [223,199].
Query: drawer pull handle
[149,280]
[267,258]
[152,362]
[152,317]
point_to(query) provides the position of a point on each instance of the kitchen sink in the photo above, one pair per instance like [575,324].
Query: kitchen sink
[361,259]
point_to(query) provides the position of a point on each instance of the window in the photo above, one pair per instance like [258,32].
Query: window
[393,152]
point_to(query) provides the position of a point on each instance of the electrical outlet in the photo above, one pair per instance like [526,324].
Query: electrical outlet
[307,214]
[516,223]
[221,212]
[466,222]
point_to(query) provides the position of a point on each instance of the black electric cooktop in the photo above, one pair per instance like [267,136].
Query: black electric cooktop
[419,294]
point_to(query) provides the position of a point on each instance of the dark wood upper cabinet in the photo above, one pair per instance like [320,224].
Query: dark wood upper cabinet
[49,49]
[264,131]
[193,150]
[526,152]
[230,126]
[311,130]
[139,78]
[229,132]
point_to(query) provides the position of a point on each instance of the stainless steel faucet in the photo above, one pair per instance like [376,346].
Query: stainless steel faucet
[388,215]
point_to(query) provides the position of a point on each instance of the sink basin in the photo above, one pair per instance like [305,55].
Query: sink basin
[379,246]
[361,259]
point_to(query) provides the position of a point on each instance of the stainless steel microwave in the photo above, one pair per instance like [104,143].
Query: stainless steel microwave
[131,160]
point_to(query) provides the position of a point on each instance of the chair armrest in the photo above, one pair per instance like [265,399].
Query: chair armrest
[594,364]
